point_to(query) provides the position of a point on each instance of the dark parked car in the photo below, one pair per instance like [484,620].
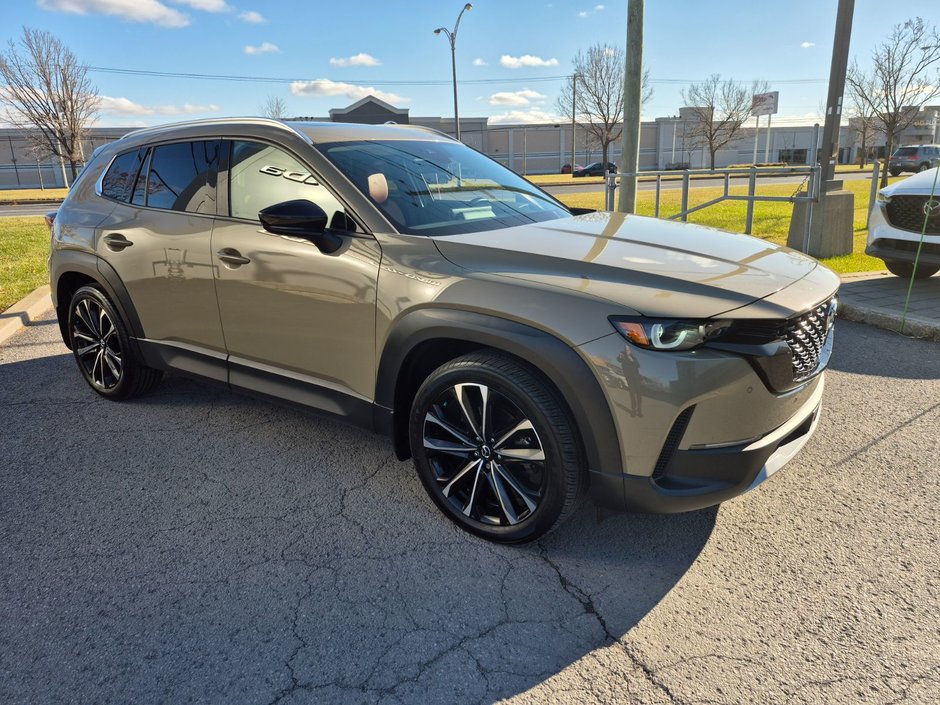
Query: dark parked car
[913,158]
[596,169]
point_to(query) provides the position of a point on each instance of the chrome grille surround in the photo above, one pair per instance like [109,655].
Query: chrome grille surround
[806,336]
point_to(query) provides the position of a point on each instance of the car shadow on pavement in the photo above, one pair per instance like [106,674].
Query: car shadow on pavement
[869,361]
[199,545]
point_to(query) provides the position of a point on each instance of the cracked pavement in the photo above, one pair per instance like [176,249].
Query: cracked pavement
[198,546]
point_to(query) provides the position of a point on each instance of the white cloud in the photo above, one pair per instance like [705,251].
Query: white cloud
[356,60]
[594,11]
[807,45]
[263,48]
[534,115]
[252,17]
[132,10]
[479,62]
[522,97]
[125,106]
[326,87]
[207,5]
[526,60]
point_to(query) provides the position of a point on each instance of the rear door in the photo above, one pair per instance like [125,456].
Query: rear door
[159,245]
[299,323]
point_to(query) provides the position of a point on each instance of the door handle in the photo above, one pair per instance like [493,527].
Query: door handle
[116,242]
[232,257]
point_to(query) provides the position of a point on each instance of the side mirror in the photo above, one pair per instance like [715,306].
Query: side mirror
[301,218]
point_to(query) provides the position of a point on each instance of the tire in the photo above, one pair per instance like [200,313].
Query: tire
[102,349]
[923,167]
[905,269]
[525,476]
[894,172]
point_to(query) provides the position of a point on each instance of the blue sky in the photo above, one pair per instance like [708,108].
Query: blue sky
[346,46]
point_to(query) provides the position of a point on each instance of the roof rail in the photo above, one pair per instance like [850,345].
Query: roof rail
[156,129]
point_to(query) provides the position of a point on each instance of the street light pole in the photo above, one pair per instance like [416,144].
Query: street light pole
[452,38]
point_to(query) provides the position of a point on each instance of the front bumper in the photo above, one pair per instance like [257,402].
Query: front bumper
[701,478]
[887,242]
[695,428]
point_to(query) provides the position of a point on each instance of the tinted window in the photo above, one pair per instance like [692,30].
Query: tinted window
[140,189]
[182,177]
[118,182]
[261,175]
[906,152]
[426,187]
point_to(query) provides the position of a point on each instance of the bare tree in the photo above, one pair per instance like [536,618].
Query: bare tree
[862,120]
[718,109]
[274,107]
[48,94]
[904,77]
[599,100]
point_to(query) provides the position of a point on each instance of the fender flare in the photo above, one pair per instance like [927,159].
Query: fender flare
[555,359]
[92,266]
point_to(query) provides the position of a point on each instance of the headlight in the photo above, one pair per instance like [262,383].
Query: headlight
[665,334]
[881,199]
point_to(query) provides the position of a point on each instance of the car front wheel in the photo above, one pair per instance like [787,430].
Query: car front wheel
[495,449]
[101,346]
[906,269]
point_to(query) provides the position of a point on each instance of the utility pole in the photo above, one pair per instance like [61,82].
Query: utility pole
[837,70]
[632,100]
[574,112]
[452,38]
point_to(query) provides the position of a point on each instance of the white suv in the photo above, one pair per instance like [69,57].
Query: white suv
[896,224]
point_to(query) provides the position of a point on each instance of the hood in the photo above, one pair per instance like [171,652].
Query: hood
[918,184]
[657,268]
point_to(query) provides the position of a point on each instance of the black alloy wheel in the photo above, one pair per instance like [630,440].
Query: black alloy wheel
[101,346]
[494,448]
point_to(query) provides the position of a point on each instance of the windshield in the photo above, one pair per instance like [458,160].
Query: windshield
[440,188]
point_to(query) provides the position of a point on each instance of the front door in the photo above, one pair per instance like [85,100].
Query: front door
[298,323]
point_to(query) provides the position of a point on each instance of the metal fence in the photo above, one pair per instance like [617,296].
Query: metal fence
[810,195]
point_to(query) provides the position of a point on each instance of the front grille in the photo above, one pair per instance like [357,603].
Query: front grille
[805,337]
[907,213]
[909,246]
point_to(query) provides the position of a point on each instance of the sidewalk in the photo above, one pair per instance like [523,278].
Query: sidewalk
[877,298]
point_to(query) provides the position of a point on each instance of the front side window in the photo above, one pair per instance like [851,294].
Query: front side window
[426,187]
[182,177]
[261,175]
[118,181]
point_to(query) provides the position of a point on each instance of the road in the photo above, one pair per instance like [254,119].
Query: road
[9,211]
[197,546]
[699,183]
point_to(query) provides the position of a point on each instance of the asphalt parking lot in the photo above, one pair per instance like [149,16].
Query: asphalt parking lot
[197,546]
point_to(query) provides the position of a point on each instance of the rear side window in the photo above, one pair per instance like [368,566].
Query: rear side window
[118,182]
[182,177]
[906,152]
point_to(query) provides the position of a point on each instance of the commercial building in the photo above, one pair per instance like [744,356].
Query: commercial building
[665,143]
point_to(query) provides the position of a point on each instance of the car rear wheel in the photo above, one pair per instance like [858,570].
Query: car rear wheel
[101,346]
[495,449]
[905,269]
[894,172]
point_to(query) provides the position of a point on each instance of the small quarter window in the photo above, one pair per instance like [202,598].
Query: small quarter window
[182,177]
[118,182]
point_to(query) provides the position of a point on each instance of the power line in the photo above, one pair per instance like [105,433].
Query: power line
[414,82]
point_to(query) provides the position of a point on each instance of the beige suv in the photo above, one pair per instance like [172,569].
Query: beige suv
[524,355]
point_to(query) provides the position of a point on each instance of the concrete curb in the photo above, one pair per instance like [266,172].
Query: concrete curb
[914,326]
[24,312]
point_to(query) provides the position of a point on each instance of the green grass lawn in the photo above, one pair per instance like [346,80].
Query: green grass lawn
[24,248]
[24,242]
[25,195]
[771,220]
